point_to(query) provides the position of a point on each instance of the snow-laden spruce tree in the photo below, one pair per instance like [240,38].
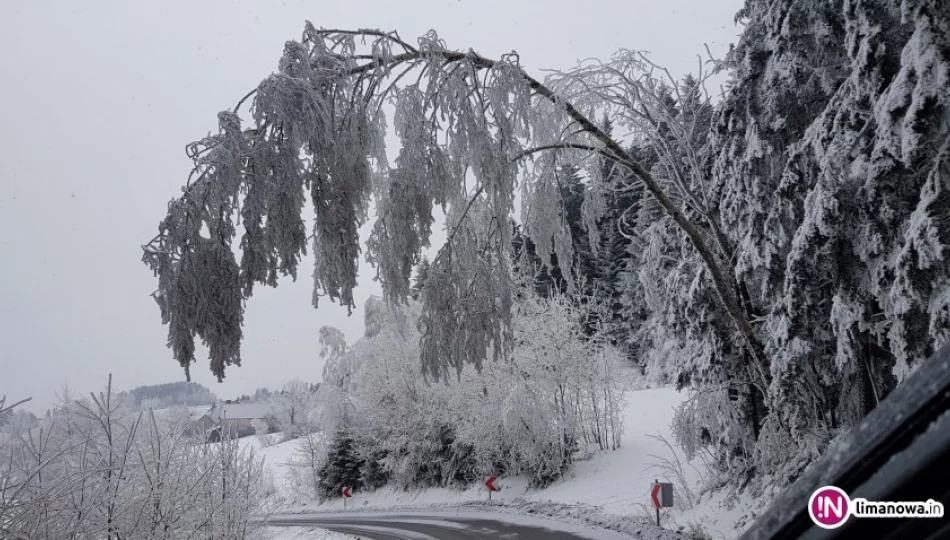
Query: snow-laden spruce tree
[473,130]
[828,158]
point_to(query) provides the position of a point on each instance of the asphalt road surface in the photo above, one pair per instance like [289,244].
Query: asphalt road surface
[431,527]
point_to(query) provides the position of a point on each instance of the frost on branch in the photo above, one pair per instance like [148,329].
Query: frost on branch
[423,176]
[333,353]
[199,289]
[317,130]
[467,298]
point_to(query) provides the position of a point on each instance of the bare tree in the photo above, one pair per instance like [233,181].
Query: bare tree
[292,406]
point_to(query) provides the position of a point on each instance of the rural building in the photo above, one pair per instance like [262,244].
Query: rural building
[237,418]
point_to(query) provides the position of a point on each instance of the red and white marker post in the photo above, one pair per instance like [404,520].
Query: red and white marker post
[662,497]
[347,493]
[490,484]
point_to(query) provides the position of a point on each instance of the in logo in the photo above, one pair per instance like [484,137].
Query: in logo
[829,507]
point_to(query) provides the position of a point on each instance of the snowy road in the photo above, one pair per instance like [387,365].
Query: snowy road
[437,526]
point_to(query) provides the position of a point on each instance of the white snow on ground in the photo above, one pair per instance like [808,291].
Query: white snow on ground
[277,459]
[611,488]
[303,533]
[724,516]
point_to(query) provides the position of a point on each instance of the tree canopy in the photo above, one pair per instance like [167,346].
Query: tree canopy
[472,131]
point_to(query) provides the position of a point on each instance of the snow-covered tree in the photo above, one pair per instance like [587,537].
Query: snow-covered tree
[343,467]
[17,421]
[262,430]
[828,163]
[292,407]
[422,273]
[469,126]
[333,352]
[558,390]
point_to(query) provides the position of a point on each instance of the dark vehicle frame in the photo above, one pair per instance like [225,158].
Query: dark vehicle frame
[899,452]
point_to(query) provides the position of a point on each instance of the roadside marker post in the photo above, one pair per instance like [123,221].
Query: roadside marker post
[490,484]
[347,493]
[662,495]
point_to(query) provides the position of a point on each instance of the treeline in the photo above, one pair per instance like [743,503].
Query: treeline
[159,396]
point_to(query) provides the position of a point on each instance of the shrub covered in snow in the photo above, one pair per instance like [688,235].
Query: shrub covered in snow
[98,469]
[527,414]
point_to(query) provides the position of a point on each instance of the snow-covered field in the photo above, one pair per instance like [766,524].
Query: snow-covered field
[609,487]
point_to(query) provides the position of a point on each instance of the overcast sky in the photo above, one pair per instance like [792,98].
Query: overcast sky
[100,98]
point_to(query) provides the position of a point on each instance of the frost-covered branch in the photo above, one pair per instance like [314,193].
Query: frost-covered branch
[318,125]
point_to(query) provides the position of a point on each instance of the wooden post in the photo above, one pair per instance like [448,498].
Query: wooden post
[655,482]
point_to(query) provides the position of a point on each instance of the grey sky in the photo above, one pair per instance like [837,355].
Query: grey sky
[101,97]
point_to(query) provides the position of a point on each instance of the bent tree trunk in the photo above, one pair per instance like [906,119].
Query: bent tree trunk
[726,287]
[321,104]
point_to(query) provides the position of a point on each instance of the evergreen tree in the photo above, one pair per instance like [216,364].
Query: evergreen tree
[344,467]
[829,175]
[373,474]
[613,257]
[547,274]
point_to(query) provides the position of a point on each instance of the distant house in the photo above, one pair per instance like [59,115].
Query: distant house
[236,419]
[200,427]
[197,420]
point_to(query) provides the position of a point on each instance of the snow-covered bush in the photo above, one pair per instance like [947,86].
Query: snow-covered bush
[98,469]
[262,431]
[526,414]
[309,457]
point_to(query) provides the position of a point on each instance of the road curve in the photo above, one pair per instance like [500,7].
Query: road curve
[442,526]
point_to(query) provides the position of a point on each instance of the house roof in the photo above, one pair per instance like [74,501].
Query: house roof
[198,412]
[241,411]
[193,412]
